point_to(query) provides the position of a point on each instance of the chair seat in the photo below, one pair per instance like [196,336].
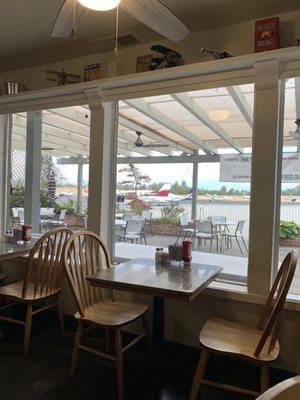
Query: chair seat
[228,234]
[112,313]
[204,235]
[15,290]
[133,236]
[188,230]
[223,336]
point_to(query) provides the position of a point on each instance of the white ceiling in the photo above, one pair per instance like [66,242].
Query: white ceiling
[25,26]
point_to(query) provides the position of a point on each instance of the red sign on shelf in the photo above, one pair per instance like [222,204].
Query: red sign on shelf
[267,34]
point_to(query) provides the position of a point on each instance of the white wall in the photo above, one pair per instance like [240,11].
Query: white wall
[237,39]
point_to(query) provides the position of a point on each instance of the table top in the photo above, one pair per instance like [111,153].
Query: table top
[10,250]
[143,276]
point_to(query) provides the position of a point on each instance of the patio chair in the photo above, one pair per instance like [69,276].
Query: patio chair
[203,230]
[86,254]
[258,345]
[21,217]
[237,234]
[184,227]
[41,285]
[147,217]
[134,232]
[60,221]
[127,217]
[217,220]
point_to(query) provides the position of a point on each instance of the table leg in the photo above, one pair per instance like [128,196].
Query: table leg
[158,333]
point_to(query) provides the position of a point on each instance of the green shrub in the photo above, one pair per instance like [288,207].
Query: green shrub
[170,213]
[288,230]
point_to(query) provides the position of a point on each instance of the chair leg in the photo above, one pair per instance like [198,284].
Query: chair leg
[244,243]
[119,364]
[147,331]
[210,245]
[61,320]
[264,378]
[238,243]
[75,349]
[27,329]
[198,375]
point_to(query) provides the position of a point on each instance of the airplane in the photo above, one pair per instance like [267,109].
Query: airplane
[163,196]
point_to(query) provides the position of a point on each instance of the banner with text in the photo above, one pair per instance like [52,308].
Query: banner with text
[237,168]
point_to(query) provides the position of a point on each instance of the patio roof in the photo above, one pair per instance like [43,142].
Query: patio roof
[203,121]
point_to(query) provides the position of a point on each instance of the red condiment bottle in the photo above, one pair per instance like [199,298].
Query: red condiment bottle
[187,251]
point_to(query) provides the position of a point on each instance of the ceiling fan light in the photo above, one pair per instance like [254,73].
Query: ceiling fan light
[100,5]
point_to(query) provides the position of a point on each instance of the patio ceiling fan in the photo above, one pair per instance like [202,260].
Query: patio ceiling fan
[296,134]
[140,143]
[150,12]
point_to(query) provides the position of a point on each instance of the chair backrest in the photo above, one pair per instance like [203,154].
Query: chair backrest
[62,215]
[270,319]
[127,217]
[21,215]
[146,215]
[286,390]
[217,218]
[15,211]
[85,254]
[203,226]
[46,211]
[240,226]
[134,226]
[183,219]
[45,263]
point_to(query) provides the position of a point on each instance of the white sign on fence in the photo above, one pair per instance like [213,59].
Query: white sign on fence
[237,168]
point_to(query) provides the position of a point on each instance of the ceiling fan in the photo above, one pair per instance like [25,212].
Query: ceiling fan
[296,134]
[140,143]
[150,12]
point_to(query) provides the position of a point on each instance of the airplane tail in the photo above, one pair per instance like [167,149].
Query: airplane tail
[164,190]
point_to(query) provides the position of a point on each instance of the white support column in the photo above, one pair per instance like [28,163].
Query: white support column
[195,189]
[265,177]
[102,169]
[33,169]
[4,140]
[79,184]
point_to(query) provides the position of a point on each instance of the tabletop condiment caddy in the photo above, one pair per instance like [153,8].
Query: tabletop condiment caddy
[19,235]
[178,255]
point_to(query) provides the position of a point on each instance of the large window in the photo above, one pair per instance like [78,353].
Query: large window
[59,150]
[289,230]
[184,170]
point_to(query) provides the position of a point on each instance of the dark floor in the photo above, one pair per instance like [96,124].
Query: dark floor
[43,374]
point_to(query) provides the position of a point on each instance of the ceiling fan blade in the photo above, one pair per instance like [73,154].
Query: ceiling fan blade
[155,145]
[64,22]
[157,16]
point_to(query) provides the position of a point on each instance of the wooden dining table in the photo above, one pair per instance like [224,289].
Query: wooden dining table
[9,250]
[141,275]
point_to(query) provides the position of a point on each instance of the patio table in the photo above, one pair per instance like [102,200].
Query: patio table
[141,275]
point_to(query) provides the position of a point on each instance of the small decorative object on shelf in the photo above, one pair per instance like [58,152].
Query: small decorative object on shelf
[62,77]
[267,34]
[218,55]
[143,63]
[92,72]
[166,58]
[158,254]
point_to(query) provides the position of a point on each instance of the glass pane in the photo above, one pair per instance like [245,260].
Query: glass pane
[289,233]
[64,168]
[206,129]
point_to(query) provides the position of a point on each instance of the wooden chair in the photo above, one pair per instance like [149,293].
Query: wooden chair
[86,254]
[41,285]
[286,390]
[258,345]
